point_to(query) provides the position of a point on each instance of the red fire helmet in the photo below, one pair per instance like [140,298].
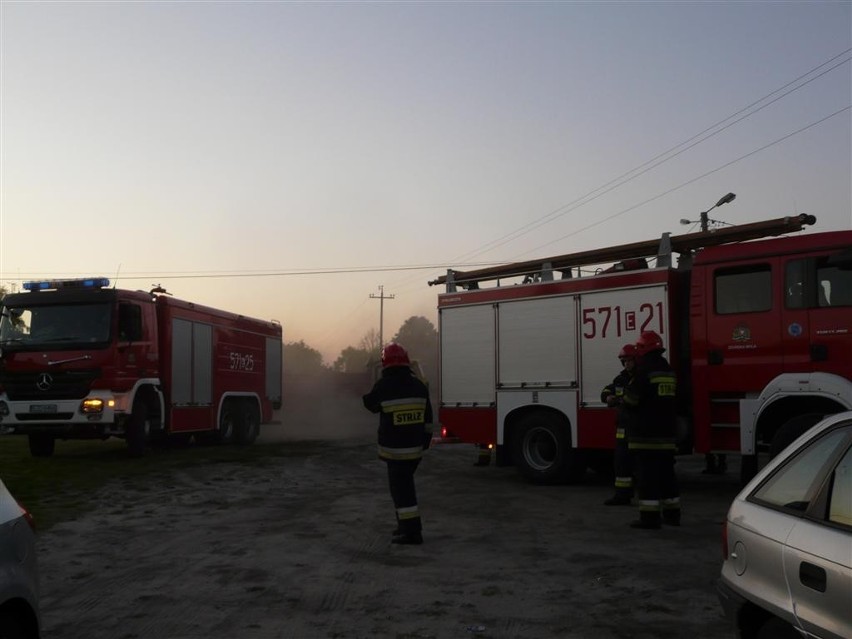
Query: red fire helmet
[649,341]
[394,355]
[628,350]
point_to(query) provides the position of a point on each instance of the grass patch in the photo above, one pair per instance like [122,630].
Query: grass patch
[57,488]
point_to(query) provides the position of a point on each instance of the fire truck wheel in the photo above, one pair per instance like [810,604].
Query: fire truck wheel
[542,450]
[791,430]
[227,423]
[248,427]
[13,626]
[42,445]
[137,430]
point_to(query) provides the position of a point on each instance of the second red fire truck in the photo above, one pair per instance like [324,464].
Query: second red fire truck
[759,331]
[81,360]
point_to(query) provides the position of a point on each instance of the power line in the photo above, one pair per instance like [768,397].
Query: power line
[442,266]
[231,274]
[604,189]
[662,157]
[693,180]
[656,161]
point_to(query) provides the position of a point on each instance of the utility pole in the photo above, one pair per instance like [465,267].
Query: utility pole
[381,297]
[704,219]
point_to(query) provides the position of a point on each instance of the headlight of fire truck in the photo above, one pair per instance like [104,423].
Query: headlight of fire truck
[96,405]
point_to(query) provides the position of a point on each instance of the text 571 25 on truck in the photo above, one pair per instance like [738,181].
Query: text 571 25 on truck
[758,330]
[80,360]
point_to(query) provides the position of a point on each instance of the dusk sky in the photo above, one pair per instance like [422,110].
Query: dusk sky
[285,159]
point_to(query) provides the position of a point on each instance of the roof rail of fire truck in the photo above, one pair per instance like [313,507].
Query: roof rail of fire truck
[55,285]
[661,248]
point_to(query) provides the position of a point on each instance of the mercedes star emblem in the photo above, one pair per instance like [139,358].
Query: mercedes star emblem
[45,381]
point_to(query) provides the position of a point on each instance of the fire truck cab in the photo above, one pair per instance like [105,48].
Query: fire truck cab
[81,360]
[758,332]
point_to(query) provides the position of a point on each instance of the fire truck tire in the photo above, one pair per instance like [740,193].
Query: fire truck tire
[137,430]
[248,426]
[42,445]
[791,430]
[13,627]
[227,423]
[542,450]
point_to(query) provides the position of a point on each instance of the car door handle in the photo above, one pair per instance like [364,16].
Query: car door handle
[812,576]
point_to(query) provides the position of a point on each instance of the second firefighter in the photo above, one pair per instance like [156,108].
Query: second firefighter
[613,395]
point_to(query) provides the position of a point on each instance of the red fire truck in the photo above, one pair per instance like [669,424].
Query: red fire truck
[758,330]
[81,360]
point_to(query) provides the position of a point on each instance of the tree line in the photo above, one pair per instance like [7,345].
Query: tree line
[417,334]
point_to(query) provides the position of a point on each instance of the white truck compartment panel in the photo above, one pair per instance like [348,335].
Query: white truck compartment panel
[467,355]
[537,342]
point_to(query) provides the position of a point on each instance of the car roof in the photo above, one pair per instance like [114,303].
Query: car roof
[827,423]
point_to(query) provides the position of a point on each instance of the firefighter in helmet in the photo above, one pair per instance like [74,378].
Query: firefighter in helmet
[650,401]
[405,425]
[612,395]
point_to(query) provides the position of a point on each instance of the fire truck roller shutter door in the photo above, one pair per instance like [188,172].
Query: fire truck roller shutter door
[541,448]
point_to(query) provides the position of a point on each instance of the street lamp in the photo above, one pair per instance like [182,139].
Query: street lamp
[704,220]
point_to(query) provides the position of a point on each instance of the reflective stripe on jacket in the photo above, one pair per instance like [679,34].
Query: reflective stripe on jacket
[405,413]
[650,400]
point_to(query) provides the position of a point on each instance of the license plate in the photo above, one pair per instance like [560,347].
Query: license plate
[42,408]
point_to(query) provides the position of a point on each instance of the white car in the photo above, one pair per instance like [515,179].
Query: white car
[19,613]
[788,541]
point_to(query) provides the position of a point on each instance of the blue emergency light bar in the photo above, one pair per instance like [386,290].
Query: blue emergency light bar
[55,285]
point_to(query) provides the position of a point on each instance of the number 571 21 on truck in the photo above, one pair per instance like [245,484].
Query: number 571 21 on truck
[758,328]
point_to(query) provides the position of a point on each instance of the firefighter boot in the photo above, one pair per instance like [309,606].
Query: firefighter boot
[648,520]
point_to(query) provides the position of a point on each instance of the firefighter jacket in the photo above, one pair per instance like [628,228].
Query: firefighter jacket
[616,388]
[405,420]
[650,402]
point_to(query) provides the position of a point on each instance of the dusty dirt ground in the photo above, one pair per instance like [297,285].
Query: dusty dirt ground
[300,548]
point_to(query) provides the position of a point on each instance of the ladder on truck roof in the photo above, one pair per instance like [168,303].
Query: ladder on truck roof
[661,248]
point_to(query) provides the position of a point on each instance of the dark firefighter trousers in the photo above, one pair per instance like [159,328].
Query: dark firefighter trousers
[623,467]
[404,495]
[656,486]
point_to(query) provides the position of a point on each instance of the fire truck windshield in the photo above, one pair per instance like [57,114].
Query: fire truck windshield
[55,326]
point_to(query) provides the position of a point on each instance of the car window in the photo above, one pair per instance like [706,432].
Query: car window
[840,506]
[791,485]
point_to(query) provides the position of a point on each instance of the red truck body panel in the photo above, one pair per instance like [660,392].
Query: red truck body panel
[78,360]
[758,331]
